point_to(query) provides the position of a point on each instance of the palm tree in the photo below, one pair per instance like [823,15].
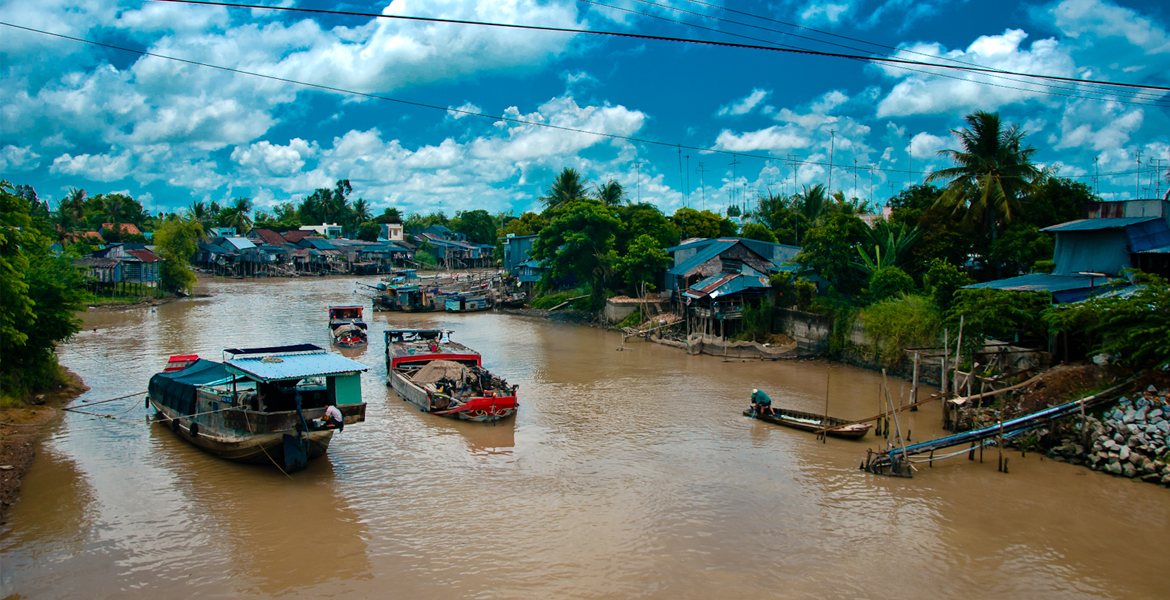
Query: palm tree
[889,245]
[71,210]
[198,211]
[361,211]
[567,187]
[610,193]
[994,172]
[236,215]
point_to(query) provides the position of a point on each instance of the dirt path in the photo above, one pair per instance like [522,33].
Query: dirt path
[20,430]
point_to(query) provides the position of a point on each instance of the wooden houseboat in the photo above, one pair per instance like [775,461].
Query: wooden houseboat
[260,405]
[464,303]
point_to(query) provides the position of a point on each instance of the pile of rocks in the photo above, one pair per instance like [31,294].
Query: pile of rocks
[1131,440]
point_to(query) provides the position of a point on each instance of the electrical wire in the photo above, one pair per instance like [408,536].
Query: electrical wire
[664,38]
[467,112]
[1091,87]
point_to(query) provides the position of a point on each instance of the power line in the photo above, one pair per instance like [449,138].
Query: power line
[666,39]
[1092,88]
[318,86]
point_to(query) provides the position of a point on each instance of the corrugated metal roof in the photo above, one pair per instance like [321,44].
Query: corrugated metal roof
[724,284]
[294,367]
[711,250]
[1043,282]
[1148,235]
[1098,224]
[239,242]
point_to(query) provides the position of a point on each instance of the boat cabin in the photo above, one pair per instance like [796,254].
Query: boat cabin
[414,348]
[345,313]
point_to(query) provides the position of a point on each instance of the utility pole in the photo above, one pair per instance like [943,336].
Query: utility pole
[638,165]
[680,169]
[795,158]
[832,139]
[687,201]
[1096,176]
[855,178]
[871,184]
[702,185]
[1137,189]
[734,161]
[909,165]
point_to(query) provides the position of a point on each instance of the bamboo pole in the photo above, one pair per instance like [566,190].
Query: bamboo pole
[914,383]
[958,349]
[825,417]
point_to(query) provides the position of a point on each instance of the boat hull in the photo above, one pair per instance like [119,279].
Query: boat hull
[811,422]
[261,448]
[479,409]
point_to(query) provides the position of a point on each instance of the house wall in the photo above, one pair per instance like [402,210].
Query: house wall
[1102,251]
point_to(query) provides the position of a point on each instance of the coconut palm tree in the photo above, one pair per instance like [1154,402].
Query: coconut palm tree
[610,193]
[567,187]
[71,210]
[993,172]
[361,211]
[236,215]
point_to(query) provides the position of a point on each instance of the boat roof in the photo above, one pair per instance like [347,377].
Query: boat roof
[297,366]
[345,307]
[277,350]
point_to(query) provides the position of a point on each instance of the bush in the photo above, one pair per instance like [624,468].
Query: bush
[793,291]
[757,322]
[897,323]
[887,282]
[425,259]
[942,280]
[1044,266]
[633,319]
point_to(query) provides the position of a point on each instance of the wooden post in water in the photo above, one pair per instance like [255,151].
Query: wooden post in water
[999,443]
[825,418]
[958,349]
[914,383]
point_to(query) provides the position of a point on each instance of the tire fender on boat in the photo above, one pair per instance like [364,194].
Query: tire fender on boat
[175,425]
[147,402]
[194,429]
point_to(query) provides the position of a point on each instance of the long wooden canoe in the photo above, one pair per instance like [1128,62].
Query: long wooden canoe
[805,421]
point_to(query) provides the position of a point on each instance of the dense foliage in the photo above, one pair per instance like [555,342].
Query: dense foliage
[1133,328]
[41,294]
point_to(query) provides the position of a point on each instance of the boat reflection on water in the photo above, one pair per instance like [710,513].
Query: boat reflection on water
[276,534]
[498,438]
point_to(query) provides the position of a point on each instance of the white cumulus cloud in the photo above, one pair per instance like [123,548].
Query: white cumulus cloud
[744,105]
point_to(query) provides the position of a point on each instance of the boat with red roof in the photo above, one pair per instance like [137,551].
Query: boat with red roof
[443,377]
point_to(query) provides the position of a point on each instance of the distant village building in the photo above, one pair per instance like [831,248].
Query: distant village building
[121,268]
[712,280]
[328,230]
[391,232]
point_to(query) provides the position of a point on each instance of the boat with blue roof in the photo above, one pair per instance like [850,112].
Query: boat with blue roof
[259,405]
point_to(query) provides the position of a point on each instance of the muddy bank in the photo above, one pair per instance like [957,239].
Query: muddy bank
[145,302]
[20,429]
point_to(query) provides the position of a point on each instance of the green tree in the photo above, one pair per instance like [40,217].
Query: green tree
[610,193]
[942,280]
[389,215]
[41,295]
[702,224]
[369,231]
[1057,200]
[899,322]
[361,211]
[757,231]
[889,244]
[579,242]
[887,282]
[1003,315]
[528,223]
[1134,327]
[568,187]
[994,172]
[478,225]
[829,250]
[237,215]
[176,241]
[643,218]
[812,204]
[643,263]
[943,234]
[1020,247]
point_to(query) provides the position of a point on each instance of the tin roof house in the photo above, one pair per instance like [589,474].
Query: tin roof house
[1093,252]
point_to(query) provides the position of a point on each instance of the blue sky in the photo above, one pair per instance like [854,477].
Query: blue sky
[169,133]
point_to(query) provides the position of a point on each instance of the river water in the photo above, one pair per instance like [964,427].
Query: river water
[627,473]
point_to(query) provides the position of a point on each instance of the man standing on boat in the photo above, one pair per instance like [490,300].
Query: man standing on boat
[761,402]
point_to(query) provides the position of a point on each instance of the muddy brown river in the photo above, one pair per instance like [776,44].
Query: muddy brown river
[626,474]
